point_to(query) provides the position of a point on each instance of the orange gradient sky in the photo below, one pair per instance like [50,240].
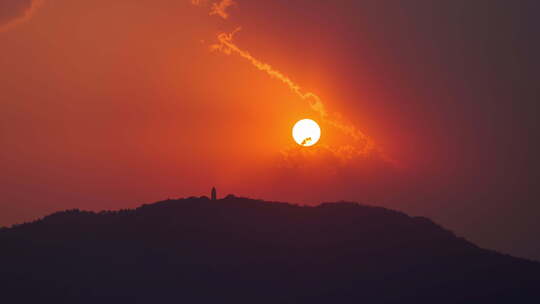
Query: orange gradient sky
[107,105]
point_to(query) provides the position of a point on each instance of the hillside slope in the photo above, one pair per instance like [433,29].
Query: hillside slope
[238,250]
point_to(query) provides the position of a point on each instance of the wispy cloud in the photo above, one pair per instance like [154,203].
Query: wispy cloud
[220,8]
[15,12]
[360,144]
[227,46]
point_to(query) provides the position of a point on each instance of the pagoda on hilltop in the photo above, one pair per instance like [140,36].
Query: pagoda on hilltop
[213,194]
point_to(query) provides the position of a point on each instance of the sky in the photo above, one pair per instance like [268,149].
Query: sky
[428,107]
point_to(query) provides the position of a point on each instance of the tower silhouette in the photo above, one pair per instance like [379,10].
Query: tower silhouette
[214,193]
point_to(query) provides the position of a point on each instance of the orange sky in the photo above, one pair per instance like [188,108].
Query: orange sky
[107,105]
[147,92]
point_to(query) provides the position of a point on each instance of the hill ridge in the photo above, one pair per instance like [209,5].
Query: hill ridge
[242,248]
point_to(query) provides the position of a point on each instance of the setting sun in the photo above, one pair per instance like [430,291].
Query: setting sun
[306,132]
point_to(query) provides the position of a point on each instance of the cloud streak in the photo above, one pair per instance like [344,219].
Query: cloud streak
[220,8]
[216,8]
[15,12]
[227,46]
[360,143]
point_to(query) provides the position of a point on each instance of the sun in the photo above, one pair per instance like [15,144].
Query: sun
[306,132]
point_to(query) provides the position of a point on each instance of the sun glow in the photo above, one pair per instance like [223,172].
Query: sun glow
[306,132]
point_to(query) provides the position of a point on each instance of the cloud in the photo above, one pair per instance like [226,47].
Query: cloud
[216,8]
[332,158]
[13,12]
[227,46]
[220,8]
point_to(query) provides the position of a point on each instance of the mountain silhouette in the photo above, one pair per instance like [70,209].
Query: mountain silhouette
[239,250]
